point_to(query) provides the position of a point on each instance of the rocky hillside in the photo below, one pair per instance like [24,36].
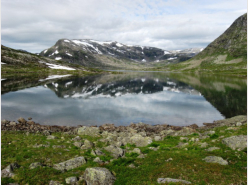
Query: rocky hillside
[100,54]
[227,52]
[18,62]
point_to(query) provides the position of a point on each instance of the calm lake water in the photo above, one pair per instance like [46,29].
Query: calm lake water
[153,98]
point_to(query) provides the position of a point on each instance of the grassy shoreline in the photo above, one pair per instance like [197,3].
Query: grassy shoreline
[179,157]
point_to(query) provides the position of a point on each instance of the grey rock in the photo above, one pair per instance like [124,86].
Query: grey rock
[78,144]
[52,182]
[97,160]
[59,146]
[51,137]
[9,170]
[116,152]
[209,132]
[132,166]
[98,176]
[157,138]
[153,148]
[182,145]
[184,138]
[204,137]
[203,145]
[168,180]
[185,131]
[238,124]
[96,152]
[236,142]
[142,156]
[71,180]
[170,159]
[136,150]
[46,132]
[167,132]
[212,149]
[90,131]
[194,139]
[140,141]
[12,123]
[70,164]
[21,120]
[215,159]
[40,145]
[77,138]
[35,165]
[87,144]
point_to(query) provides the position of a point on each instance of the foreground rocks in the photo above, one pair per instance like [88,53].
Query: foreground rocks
[215,159]
[236,142]
[9,170]
[70,164]
[98,176]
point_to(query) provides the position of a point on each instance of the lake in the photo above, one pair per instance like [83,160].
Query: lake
[150,97]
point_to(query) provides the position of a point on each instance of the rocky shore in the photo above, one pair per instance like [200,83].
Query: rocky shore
[102,151]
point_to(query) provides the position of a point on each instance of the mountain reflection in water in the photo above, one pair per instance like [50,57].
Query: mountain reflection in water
[153,98]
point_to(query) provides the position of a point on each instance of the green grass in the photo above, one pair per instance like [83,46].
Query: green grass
[186,164]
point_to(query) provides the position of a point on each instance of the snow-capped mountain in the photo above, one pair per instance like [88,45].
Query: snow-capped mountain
[90,52]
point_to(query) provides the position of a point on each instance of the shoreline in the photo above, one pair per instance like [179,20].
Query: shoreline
[33,127]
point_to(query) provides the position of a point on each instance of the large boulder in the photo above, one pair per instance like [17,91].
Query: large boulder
[215,159]
[115,151]
[140,141]
[236,142]
[70,164]
[98,176]
[90,131]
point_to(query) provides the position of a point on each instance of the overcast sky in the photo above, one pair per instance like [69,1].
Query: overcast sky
[35,25]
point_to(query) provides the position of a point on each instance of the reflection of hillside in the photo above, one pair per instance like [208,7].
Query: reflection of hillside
[116,85]
[227,94]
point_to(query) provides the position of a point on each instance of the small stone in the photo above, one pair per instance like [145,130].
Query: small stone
[238,124]
[170,159]
[211,132]
[153,148]
[203,145]
[29,118]
[77,138]
[70,164]
[136,150]
[116,152]
[99,176]
[51,137]
[54,183]
[21,120]
[168,180]
[12,123]
[212,149]
[132,166]
[97,160]
[184,138]
[87,144]
[215,159]
[78,144]
[71,180]
[157,138]
[46,132]
[35,165]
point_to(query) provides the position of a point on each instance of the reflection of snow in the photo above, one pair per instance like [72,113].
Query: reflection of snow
[54,77]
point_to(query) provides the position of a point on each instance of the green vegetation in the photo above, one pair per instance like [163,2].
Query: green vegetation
[186,162]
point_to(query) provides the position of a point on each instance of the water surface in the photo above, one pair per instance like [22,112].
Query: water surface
[153,98]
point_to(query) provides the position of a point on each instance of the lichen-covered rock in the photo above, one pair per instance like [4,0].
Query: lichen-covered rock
[209,132]
[70,164]
[203,145]
[71,180]
[236,142]
[98,176]
[215,159]
[9,170]
[168,180]
[116,152]
[167,132]
[96,152]
[140,141]
[97,160]
[87,144]
[185,131]
[212,149]
[136,150]
[35,165]
[21,120]
[51,137]
[52,182]
[90,131]
[157,138]
[78,144]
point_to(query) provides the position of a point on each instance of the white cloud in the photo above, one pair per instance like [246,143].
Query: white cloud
[180,24]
